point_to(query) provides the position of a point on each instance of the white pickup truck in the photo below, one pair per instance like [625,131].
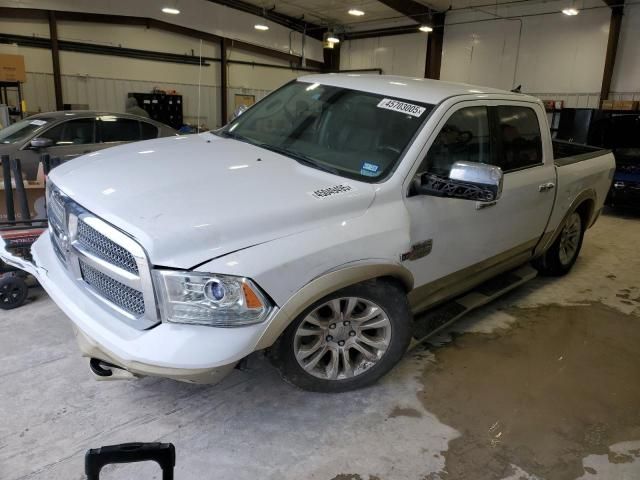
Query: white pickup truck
[328,224]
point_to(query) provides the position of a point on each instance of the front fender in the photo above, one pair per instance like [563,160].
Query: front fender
[336,279]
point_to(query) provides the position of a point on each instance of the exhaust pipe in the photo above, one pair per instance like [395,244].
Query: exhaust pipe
[103,370]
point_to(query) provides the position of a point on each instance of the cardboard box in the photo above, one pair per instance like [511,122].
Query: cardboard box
[608,105]
[625,105]
[35,198]
[12,68]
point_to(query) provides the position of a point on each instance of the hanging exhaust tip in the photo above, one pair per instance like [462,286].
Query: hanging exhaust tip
[108,371]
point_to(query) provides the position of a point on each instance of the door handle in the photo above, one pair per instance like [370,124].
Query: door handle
[546,186]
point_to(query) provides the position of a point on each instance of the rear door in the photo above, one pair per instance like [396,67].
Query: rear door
[114,130]
[528,167]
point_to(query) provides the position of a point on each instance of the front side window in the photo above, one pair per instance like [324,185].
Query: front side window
[79,131]
[350,133]
[520,138]
[464,138]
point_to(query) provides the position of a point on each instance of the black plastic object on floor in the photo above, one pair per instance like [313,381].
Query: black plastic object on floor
[164,454]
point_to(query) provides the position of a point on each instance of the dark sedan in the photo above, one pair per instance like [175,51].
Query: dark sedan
[69,134]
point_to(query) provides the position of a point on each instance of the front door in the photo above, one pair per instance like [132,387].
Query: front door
[471,241]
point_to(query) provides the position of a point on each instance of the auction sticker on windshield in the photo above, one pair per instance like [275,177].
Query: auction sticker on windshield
[402,107]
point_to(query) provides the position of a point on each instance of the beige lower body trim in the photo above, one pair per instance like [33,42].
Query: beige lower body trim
[91,349]
[445,288]
[326,284]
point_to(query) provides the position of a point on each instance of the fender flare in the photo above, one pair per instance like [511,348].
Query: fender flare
[327,283]
[588,195]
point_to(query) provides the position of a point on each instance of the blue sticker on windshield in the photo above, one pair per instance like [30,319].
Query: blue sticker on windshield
[370,169]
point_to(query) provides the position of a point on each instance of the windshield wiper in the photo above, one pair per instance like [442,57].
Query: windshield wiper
[300,158]
[297,156]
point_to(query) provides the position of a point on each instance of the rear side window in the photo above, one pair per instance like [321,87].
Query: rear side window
[519,133]
[113,129]
[148,131]
[464,138]
[79,131]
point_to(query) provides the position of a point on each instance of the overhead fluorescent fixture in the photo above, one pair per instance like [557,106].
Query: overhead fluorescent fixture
[171,10]
[331,38]
[571,11]
[356,13]
[426,29]
[261,27]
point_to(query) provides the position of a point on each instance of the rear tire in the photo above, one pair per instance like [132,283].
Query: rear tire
[562,255]
[348,339]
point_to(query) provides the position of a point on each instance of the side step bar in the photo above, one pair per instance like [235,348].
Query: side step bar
[434,320]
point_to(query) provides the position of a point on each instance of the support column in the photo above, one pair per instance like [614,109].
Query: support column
[331,58]
[435,42]
[55,59]
[223,81]
[617,12]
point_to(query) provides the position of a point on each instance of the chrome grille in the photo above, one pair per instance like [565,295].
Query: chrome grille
[106,262]
[55,208]
[128,299]
[106,249]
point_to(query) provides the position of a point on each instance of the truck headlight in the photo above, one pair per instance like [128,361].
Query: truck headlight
[209,299]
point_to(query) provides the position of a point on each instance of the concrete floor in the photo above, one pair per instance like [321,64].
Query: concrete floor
[543,383]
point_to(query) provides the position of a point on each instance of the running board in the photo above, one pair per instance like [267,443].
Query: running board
[438,318]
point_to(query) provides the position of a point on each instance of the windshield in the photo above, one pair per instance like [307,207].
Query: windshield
[351,133]
[22,130]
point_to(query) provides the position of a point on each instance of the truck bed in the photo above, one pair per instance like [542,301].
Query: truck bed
[566,153]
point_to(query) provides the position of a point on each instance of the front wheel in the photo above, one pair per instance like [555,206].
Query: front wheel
[13,291]
[561,256]
[348,339]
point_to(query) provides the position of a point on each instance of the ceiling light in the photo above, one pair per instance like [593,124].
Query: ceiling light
[425,29]
[333,39]
[171,10]
[262,28]
[570,11]
[356,13]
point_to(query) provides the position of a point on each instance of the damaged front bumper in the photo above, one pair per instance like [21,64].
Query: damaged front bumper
[190,353]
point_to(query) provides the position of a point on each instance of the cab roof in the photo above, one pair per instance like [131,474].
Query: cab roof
[422,90]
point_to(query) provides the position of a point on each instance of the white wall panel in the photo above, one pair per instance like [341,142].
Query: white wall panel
[481,53]
[556,53]
[626,75]
[397,55]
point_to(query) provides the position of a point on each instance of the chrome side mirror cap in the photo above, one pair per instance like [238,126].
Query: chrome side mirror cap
[239,111]
[467,180]
[483,181]
[41,142]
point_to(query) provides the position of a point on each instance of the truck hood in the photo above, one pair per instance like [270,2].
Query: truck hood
[192,198]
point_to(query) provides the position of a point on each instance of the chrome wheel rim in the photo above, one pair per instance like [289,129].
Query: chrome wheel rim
[342,338]
[569,239]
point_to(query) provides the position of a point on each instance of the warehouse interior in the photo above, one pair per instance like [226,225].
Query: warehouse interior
[541,383]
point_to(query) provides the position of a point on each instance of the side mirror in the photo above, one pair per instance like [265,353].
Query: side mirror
[41,142]
[239,111]
[467,180]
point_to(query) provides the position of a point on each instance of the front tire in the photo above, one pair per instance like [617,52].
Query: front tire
[348,339]
[13,291]
[560,257]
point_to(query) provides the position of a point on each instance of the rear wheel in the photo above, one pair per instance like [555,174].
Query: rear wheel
[561,256]
[13,291]
[348,339]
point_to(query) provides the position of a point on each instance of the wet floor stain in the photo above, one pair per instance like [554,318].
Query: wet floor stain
[405,412]
[561,384]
